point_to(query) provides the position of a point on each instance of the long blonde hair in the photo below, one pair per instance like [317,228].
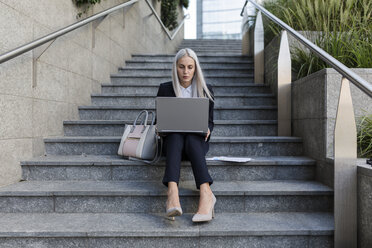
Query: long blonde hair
[198,75]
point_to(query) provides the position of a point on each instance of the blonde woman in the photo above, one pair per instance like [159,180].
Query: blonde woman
[188,81]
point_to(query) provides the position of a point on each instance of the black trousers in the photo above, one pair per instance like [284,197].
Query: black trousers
[192,147]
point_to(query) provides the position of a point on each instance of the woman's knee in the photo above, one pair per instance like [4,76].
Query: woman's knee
[194,142]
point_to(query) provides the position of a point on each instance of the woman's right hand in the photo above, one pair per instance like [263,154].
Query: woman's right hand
[208,133]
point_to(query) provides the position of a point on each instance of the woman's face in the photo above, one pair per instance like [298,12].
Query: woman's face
[185,69]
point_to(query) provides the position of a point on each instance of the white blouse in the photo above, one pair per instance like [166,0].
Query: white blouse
[186,92]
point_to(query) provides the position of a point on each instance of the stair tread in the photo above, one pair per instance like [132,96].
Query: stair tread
[109,160]
[142,107]
[209,62]
[248,75]
[156,188]
[209,55]
[170,69]
[153,96]
[156,225]
[157,85]
[212,140]
[122,122]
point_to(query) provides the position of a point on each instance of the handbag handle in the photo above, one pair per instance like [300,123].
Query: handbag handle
[144,122]
[153,117]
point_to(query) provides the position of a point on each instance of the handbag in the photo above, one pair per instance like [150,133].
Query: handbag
[140,142]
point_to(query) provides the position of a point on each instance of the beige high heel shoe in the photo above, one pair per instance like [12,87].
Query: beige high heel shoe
[208,216]
[173,212]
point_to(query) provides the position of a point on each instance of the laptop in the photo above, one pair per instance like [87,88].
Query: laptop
[182,115]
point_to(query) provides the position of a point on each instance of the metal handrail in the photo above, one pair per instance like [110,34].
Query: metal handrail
[358,81]
[45,39]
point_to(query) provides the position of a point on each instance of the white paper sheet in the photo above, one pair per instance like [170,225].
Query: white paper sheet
[230,159]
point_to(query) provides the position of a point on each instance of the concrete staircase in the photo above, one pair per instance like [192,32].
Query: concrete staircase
[82,195]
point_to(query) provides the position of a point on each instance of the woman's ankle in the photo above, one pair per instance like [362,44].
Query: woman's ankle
[172,188]
[205,189]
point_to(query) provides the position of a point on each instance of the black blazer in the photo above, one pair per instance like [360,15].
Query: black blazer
[166,90]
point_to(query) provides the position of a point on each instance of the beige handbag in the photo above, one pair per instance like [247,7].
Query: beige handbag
[140,142]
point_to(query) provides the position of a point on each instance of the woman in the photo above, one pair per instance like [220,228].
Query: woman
[188,81]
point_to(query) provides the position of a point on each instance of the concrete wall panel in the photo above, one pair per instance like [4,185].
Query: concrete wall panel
[15,117]
[11,152]
[68,72]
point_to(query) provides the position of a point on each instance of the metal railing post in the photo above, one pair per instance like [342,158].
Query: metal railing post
[284,87]
[259,53]
[345,171]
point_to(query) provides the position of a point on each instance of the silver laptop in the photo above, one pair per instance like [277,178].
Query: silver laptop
[186,115]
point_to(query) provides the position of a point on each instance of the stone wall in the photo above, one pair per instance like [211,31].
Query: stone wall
[67,73]
[314,106]
[364,204]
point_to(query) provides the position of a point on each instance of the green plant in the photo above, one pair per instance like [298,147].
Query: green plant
[365,137]
[169,12]
[342,28]
[86,4]
[184,3]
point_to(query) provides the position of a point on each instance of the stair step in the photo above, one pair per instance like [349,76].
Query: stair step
[206,65]
[154,230]
[150,196]
[212,41]
[220,113]
[224,47]
[219,80]
[152,88]
[245,72]
[202,58]
[148,101]
[100,168]
[219,146]
[221,128]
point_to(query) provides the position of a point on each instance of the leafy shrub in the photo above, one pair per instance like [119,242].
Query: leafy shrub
[343,27]
[365,137]
[86,4]
[169,12]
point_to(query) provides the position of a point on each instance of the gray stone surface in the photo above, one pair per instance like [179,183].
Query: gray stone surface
[314,101]
[166,242]
[364,204]
[19,204]
[155,225]
[153,88]
[221,128]
[144,197]
[144,172]
[124,113]
[148,101]
[148,71]
[202,58]
[119,79]
[40,188]
[43,242]
[118,160]
[255,241]
[206,65]
[222,146]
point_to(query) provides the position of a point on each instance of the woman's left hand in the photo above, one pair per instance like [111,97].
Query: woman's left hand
[208,133]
